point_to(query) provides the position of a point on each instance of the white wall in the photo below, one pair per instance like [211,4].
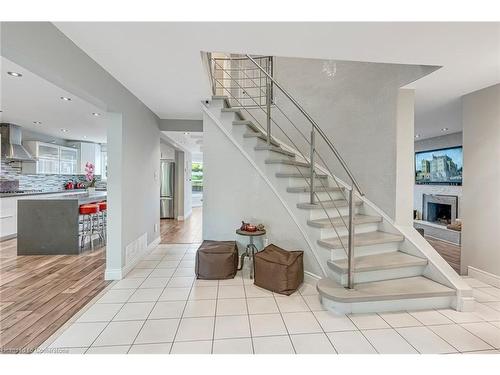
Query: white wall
[235,191]
[404,157]
[167,151]
[133,136]
[481,180]
[444,141]
[357,109]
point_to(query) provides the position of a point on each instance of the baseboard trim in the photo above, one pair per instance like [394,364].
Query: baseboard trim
[311,278]
[120,273]
[485,277]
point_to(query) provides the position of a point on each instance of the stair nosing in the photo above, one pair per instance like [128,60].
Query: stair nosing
[276,149]
[298,175]
[339,203]
[317,189]
[388,239]
[315,222]
[287,162]
[416,262]
[445,292]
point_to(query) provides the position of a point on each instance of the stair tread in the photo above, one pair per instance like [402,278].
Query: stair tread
[327,204]
[307,189]
[382,261]
[288,162]
[361,239]
[248,123]
[298,175]
[274,149]
[405,288]
[342,221]
[260,136]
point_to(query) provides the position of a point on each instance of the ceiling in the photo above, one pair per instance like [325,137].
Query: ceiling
[160,62]
[187,141]
[30,98]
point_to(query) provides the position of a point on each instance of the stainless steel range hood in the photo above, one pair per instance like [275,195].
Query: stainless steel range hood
[12,149]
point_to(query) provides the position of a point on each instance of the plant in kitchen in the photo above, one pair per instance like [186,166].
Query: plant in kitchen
[89,174]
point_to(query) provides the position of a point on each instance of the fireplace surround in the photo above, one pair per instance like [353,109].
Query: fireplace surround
[439,209]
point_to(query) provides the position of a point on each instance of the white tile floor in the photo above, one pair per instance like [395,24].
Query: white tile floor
[161,308]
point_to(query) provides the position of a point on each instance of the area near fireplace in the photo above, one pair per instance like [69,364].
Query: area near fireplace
[439,210]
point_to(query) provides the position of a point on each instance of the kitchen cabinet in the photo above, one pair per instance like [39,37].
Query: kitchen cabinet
[8,211]
[8,217]
[47,158]
[88,153]
[68,160]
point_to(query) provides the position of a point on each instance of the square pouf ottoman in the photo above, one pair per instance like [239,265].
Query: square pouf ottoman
[216,260]
[279,270]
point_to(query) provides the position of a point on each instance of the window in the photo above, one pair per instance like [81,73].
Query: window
[197,177]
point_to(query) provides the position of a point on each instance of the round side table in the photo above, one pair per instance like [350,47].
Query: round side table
[251,249]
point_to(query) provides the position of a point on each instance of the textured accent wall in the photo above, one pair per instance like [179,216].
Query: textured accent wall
[44,182]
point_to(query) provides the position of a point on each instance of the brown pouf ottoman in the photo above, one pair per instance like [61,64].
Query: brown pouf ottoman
[216,260]
[279,270]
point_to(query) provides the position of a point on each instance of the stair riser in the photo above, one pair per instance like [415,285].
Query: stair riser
[295,182]
[379,275]
[319,195]
[230,117]
[275,153]
[319,213]
[286,168]
[342,230]
[387,306]
[336,254]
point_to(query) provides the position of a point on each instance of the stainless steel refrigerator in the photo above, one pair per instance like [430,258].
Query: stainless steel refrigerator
[167,179]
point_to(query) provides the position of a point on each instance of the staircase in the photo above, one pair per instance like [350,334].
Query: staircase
[369,264]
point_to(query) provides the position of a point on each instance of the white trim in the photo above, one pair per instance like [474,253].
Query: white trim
[311,278]
[271,186]
[485,277]
[180,218]
[120,273]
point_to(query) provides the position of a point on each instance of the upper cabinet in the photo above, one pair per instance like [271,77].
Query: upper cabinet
[55,159]
[46,156]
[88,153]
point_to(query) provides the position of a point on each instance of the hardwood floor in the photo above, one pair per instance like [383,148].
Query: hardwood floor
[38,294]
[450,252]
[188,231]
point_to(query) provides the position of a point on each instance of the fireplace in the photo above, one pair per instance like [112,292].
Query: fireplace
[439,209]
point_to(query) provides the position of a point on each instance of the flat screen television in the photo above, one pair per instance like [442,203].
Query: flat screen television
[442,166]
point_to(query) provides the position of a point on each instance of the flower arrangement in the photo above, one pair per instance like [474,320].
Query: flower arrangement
[89,174]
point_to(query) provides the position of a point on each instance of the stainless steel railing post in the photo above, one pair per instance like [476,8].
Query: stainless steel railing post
[268,111]
[311,167]
[350,242]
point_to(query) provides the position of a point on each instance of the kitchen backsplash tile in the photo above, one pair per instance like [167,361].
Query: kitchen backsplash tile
[44,182]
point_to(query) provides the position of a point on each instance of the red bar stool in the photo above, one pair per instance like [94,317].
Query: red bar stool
[89,213]
[103,216]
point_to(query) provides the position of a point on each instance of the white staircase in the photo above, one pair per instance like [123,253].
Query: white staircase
[390,273]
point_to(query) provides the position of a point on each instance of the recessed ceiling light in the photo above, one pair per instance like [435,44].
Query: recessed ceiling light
[186,133]
[66,98]
[14,74]
[444,129]
[84,137]
[37,122]
[417,135]
[96,114]
[64,130]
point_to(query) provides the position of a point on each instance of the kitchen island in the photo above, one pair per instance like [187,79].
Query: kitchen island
[50,225]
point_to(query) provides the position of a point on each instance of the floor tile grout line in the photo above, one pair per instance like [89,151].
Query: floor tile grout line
[182,317]
[472,333]
[400,335]
[248,312]
[283,320]
[449,343]
[320,325]
[362,334]
[215,317]
[108,323]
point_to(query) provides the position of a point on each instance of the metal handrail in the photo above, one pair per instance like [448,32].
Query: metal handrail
[269,82]
[314,124]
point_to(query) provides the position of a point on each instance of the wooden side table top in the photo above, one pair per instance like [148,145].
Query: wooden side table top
[251,234]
